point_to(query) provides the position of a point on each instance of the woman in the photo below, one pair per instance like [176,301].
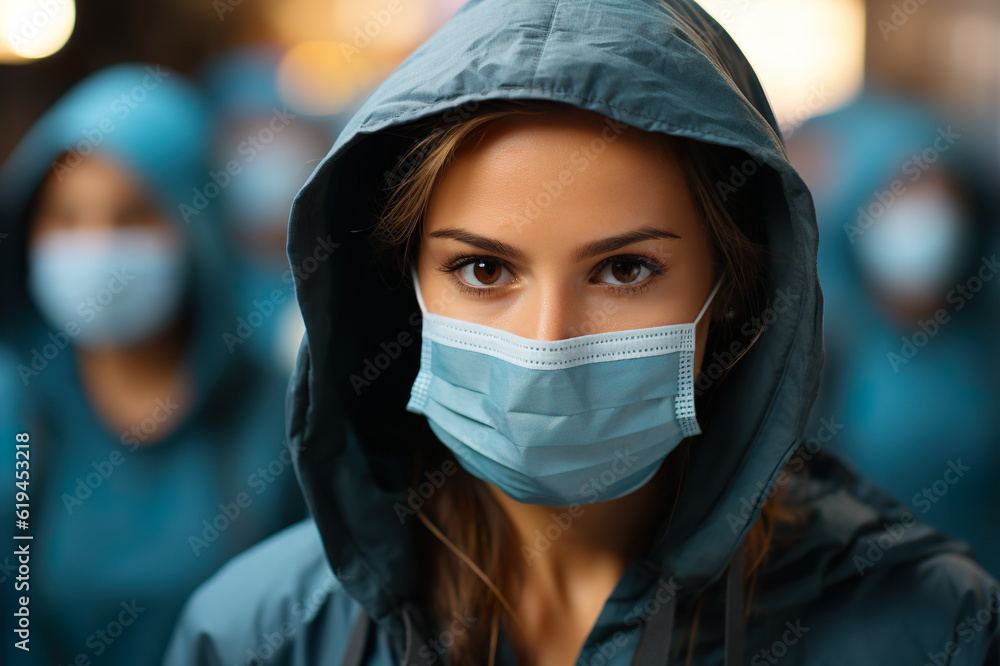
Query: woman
[595,205]
[156,454]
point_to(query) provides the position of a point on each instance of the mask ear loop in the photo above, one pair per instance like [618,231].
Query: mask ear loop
[711,295]
[684,402]
[416,288]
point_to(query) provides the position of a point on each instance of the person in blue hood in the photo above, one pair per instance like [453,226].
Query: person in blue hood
[267,151]
[154,455]
[579,436]
[908,261]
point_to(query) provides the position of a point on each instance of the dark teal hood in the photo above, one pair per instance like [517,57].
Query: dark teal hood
[630,62]
[636,63]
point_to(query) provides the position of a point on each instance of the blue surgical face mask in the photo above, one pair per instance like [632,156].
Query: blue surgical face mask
[916,247]
[576,421]
[260,195]
[113,287]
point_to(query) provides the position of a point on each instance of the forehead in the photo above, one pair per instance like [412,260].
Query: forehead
[557,167]
[89,177]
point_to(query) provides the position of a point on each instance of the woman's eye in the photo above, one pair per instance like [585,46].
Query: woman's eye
[483,273]
[624,271]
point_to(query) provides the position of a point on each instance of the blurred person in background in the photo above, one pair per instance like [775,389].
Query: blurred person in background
[269,152]
[908,255]
[156,453]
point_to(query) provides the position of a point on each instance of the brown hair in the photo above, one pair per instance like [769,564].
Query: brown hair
[462,518]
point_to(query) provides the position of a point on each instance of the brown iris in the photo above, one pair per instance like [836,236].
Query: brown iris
[625,271]
[486,272]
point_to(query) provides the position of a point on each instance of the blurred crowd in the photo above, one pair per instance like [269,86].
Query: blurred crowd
[149,327]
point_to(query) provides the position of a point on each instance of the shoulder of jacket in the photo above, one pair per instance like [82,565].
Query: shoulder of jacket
[941,610]
[867,580]
[264,605]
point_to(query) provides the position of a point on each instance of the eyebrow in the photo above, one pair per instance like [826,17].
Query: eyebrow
[591,249]
[612,243]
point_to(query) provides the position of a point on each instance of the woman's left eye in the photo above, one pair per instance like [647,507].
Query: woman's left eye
[625,271]
[482,273]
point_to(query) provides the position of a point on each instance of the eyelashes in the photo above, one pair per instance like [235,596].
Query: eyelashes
[455,263]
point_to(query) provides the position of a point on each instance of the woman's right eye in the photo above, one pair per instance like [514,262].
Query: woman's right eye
[482,273]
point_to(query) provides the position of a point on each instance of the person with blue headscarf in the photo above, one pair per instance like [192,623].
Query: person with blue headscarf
[908,261]
[270,150]
[156,453]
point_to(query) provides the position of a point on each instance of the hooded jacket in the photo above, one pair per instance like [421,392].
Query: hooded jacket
[119,541]
[865,583]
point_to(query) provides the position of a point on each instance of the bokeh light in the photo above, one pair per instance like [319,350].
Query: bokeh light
[32,29]
[808,55]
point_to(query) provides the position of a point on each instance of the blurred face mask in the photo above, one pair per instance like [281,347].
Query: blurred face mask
[260,195]
[563,422]
[914,249]
[118,286]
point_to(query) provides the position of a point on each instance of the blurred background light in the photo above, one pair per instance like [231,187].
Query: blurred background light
[808,54]
[32,29]
[379,25]
[319,78]
[340,50]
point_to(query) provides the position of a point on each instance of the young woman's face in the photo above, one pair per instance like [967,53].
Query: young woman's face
[559,226]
